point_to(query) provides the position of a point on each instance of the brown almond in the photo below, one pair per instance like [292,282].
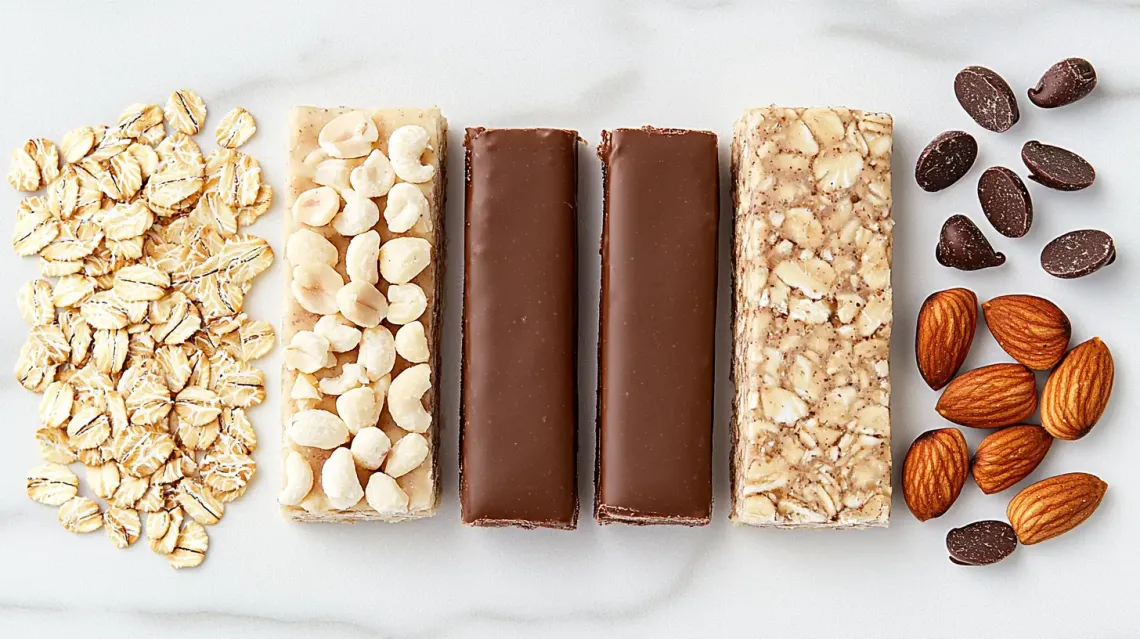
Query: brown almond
[1054,506]
[934,472]
[1007,456]
[1031,329]
[1077,391]
[990,397]
[946,324]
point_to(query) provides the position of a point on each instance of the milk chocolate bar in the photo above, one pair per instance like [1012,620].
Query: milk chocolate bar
[811,318]
[658,306]
[363,312]
[519,399]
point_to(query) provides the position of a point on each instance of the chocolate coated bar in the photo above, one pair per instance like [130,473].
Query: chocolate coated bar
[520,406]
[658,307]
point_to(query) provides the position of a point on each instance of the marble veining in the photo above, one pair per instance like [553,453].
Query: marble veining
[589,65]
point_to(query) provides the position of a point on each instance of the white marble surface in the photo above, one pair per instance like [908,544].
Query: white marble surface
[589,65]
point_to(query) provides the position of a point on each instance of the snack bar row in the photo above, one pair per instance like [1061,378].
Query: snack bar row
[811,304]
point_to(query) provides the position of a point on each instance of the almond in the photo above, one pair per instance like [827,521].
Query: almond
[1007,456]
[1077,392]
[945,331]
[1054,506]
[934,472]
[1031,329]
[990,397]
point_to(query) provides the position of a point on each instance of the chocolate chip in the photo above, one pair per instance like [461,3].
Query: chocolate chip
[945,160]
[962,246]
[981,543]
[1078,253]
[1005,201]
[1056,168]
[987,98]
[1064,83]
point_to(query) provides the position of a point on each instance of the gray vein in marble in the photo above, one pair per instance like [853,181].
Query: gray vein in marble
[700,5]
[875,36]
[209,619]
[673,590]
[316,69]
[624,22]
[275,82]
[1127,5]
[597,98]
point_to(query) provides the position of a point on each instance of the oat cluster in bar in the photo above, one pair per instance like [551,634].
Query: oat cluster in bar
[812,318]
[364,246]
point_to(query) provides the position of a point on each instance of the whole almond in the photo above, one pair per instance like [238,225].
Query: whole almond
[1054,506]
[1077,392]
[946,324]
[990,397]
[934,472]
[1031,329]
[1007,456]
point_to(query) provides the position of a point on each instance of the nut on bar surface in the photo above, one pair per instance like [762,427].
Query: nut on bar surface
[656,344]
[518,445]
[812,318]
[362,326]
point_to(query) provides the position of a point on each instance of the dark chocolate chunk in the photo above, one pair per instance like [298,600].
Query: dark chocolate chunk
[987,98]
[981,543]
[1064,83]
[1078,253]
[962,246]
[1057,168]
[1005,201]
[519,402]
[658,326]
[945,160]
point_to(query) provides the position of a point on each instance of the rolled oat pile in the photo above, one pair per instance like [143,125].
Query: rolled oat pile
[138,342]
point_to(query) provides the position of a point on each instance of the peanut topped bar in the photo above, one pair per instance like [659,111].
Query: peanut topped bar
[365,240]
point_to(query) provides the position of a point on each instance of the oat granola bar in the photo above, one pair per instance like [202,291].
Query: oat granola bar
[364,282]
[812,318]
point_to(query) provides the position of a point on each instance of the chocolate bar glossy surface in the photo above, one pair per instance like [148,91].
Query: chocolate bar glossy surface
[658,306]
[519,424]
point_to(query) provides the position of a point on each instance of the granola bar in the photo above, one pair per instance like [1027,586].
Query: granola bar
[812,320]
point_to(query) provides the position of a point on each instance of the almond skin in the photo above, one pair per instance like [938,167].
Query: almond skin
[946,324]
[990,397]
[1077,391]
[1054,506]
[1007,456]
[1031,329]
[934,472]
